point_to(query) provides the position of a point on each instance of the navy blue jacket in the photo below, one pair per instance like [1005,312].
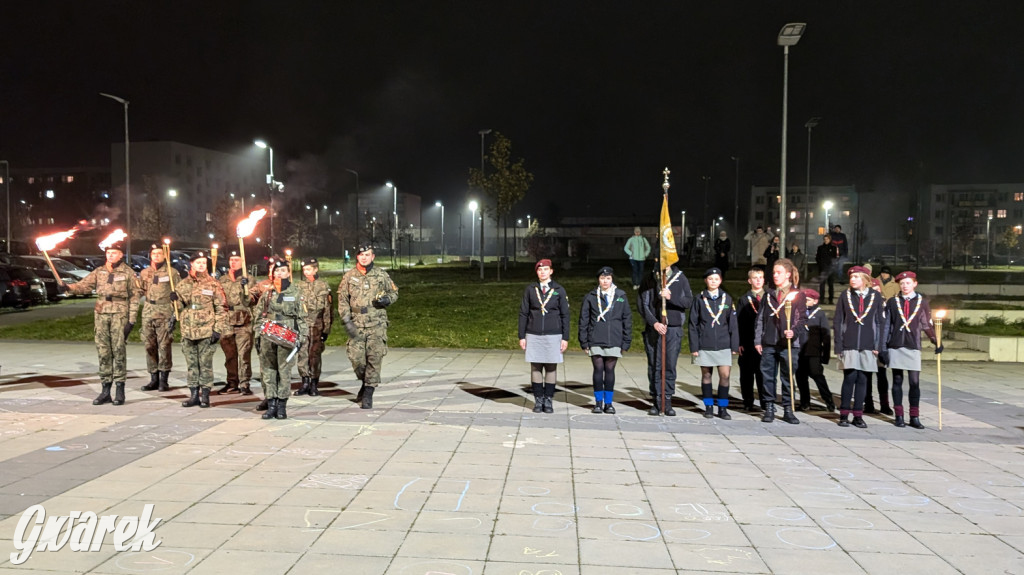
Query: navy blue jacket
[815,339]
[771,319]
[533,321]
[908,338]
[676,306]
[615,329]
[869,333]
[725,334]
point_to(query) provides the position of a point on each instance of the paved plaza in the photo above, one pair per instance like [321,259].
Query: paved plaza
[452,473]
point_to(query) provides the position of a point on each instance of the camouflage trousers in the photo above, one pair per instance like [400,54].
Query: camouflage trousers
[366,351]
[237,347]
[275,370]
[157,335]
[310,353]
[109,338]
[199,359]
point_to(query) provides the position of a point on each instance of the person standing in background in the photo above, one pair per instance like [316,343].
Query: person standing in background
[722,248]
[637,248]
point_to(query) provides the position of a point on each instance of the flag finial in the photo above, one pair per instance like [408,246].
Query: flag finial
[665,184]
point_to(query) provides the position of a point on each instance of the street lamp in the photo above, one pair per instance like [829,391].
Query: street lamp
[441,205]
[483,133]
[988,239]
[807,199]
[736,208]
[828,206]
[7,184]
[706,180]
[270,184]
[395,213]
[173,193]
[127,175]
[472,229]
[788,36]
[515,241]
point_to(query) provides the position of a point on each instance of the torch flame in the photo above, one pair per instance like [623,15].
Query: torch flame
[941,313]
[167,241]
[114,237]
[246,226]
[791,296]
[49,243]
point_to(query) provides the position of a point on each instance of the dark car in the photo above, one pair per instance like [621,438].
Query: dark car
[38,265]
[87,263]
[20,287]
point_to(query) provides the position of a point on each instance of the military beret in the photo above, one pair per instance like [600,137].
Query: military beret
[278,264]
[712,271]
[605,271]
[365,247]
[542,263]
[858,270]
[310,262]
[811,294]
[905,275]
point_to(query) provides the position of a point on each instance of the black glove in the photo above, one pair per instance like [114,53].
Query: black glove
[382,302]
[128,328]
[174,296]
[171,323]
[62,287]
[215,337]
[258,340]
[324,336]
[938,349]
[350,329]
[244,281]
[883,357]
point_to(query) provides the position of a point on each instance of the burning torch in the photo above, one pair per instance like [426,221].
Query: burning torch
[288,258]
[171,272]
[213,256]
[939,315]
[789,345]
[244,230]
[48,243]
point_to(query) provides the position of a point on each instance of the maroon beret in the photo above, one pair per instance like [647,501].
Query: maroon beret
[905,275]
[858,270]
[544,262]
[811,294]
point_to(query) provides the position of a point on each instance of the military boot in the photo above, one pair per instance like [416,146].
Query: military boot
[271,408]
[654,406]
[119,393]
[548,408]
[193,400]
[359,395]
[538,397]
[264,405]
[724,413]
[204,397]
[244,388]
[788,416]
[229,387]
[154,382]
[304,390]
[104,396]
[163,381]
[281,412]
[368,398]
[769,412]
[915,422]
[313,390]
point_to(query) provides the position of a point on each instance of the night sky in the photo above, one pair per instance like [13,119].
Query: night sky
[597,96]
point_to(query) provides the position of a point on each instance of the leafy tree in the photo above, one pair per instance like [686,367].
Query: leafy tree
[505,183]
[156,217]
[1009,241]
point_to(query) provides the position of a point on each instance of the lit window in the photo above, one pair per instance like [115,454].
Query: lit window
[209,217]
[846,213]
[1001,214]
[69,179]
[31,180]
[1,181]
[1018,196]
[792,215]
[49,194]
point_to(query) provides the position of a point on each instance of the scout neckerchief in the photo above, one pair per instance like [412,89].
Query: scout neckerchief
[673,280]
[903,315]
[781,300]
[750,300]
[544,302]
[601,311]
[721,307]
[849,300]
[807,324]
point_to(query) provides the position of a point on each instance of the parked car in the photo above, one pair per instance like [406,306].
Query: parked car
[20,287]
[64,267]
[87,263]
[38,265]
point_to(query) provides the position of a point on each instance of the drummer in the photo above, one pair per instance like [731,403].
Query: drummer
[284,307]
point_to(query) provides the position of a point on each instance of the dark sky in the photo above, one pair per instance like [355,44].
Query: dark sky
[597,96]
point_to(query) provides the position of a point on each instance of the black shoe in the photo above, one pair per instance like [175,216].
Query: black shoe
[118,394]
[154,382]
[899,421]
[830,406]
[548,408]
[367,402]
[281,412]
[271,408]
[230,387]
[915,422]
[598,408]
[244,389]
[858,421]
[748,407]
[769,413]
[104,396]
[844,420]
[313,390]
[361,393]
[789,417]
[654,409]
[304,390]
[869,409]
[204,397]
[723,413]
[709,412]
[886,410]
[670,412]
[609,408]
[802,407]
[264,405]
[163,381]
[193,400]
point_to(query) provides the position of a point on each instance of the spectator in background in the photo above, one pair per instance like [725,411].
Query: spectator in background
[759,241]
[773,252]
[722,248]
[799,260]
[842,244]
[637,248]
[826,258]
[890,287]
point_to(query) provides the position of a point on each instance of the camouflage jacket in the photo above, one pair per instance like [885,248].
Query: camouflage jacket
[287,308]
[319,303]
[261,285]
[238,304]
[357,292]
[156,291]
[117,290]
[203,307]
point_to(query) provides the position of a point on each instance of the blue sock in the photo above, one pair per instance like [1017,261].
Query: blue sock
[597,396]
[723,403]
[608,396]
[708,402]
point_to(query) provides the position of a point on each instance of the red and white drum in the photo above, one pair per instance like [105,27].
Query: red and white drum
[279,334]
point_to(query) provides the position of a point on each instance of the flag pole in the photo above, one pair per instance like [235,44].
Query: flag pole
[664,264]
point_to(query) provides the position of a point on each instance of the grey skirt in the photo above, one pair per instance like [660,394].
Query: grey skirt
[713,357]
[903,358]
[544,348]
[605,351]
[859,359]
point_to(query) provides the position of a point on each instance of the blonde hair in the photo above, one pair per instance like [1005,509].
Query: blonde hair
[864,278]
[752,271]
[787,263]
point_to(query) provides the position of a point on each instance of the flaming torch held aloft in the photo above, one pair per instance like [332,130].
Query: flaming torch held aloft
[114,237]
[171,272]
[939,315]
[213,256]
[244,230]
[789,345]
[49,243]
[288,258]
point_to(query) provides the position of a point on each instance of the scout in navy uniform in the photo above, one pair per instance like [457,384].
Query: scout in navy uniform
[544,333]
[774,337]
[859,339]
[678,298]
[747,309]
[907,315]
[815,351]
[714,339]
[605,331]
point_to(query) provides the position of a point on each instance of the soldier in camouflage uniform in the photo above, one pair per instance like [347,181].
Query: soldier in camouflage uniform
[319,302]
[282,303]
[363,294]
[236,342]
[117,297]
[157,318]
[255,292]
[203,319]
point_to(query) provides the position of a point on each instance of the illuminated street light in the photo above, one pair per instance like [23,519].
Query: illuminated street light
[788,36]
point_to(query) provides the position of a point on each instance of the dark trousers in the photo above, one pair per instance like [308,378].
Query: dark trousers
[750,371]
[883,389]
[827,276]
[652,345]
[776,360]
[637,267]
[810,367]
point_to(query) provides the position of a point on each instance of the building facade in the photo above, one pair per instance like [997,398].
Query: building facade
[807,218]
[968,223]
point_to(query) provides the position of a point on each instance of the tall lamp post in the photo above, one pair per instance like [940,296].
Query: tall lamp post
[736,208]
[7,185]
[441,205]
[472,231]
[355,211]
[483,133]
[394,213]
[807,194]
[127,175]
[988,239]
[270,184]
[788,36]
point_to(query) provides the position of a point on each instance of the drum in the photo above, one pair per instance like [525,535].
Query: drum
[279,334]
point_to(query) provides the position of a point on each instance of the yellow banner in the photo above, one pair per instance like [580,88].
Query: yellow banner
[665,237]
